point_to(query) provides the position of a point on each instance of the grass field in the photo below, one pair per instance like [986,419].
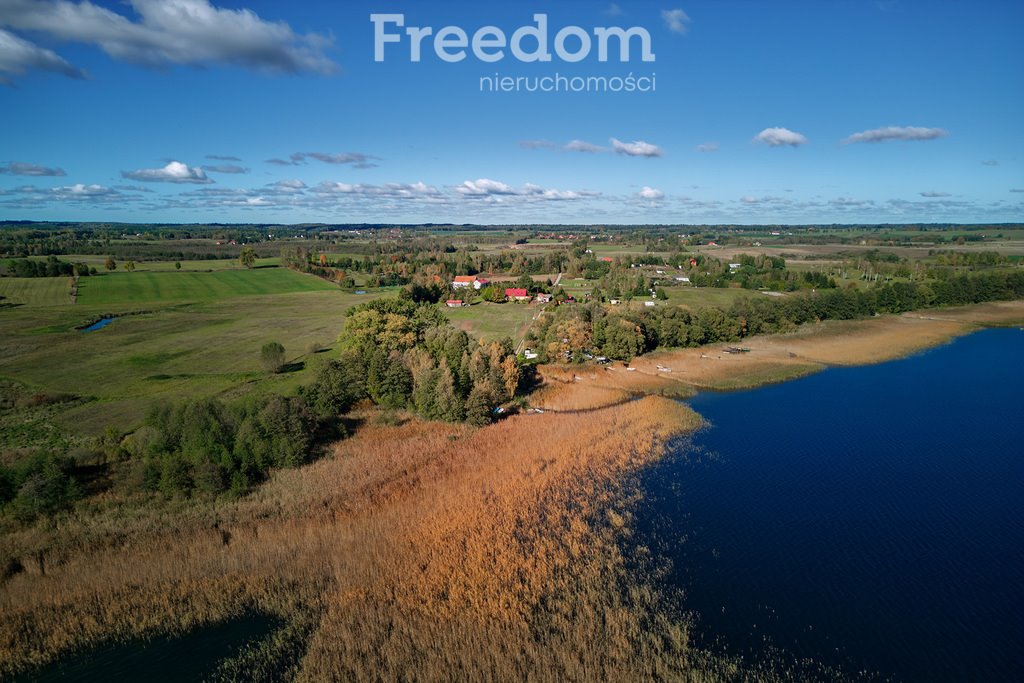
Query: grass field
[706,296]
[157,287]
[36,291]
[200,335]
[489,321]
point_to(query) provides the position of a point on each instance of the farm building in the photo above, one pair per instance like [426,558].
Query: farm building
[515,294]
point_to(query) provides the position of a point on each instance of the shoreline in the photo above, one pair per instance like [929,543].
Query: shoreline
[468,543]
[681,373]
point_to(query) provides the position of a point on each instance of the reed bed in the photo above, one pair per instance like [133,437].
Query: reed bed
[421,551]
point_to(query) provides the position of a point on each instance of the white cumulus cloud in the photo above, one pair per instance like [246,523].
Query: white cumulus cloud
[896,133]
[650,194]
[483,187]
[188,32]
[780,137]
[173,172]
[637,148]
[18,55]
[583,146]
[675,20]
[496,192]
[20,168]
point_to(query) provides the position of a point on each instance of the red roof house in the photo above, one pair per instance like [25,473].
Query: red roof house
[517,294]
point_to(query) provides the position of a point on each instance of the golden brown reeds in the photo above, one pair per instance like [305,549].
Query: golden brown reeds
[422,551]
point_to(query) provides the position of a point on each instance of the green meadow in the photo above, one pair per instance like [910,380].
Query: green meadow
[491,322]
[35,291]
[177,334]
[161,287]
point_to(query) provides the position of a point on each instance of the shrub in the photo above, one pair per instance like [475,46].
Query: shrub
[272,357]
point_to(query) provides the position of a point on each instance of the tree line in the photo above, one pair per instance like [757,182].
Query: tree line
[49,267]
[572,333]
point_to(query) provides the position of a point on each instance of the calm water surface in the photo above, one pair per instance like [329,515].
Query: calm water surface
[870,517]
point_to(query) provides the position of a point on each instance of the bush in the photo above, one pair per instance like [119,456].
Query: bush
[272,357]
[42,485]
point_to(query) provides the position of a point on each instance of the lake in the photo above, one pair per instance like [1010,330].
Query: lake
[868,517]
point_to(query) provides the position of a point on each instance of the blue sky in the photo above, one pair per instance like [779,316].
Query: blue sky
[753,112]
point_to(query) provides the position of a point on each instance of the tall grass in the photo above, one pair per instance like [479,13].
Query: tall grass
[421,551]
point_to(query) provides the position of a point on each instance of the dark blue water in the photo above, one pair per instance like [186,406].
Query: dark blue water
[98,325]
[869,517]
[190,657]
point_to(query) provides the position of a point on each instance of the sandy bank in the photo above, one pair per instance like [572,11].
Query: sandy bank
[771,358]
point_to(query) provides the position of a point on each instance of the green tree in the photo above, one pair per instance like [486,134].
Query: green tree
[177,265]
[339,384]
[448,405]
[248,257]
[45,485]
[272,357]
[110,264]
[478,405]
[130,266]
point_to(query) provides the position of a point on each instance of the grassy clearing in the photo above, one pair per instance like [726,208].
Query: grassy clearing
[149,287]
[697,297]
[635,252]
[489,322]
[35,291]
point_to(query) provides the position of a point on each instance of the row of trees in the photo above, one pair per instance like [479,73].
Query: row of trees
[50,267]
[573,333]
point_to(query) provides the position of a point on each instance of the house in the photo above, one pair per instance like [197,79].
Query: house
[682,279]
[649,304]
[693,263]
[613,302]
[454,303]
[543,298]
[529,354]
[463,281]
[515,294]
[480,283]
[735,266]
[607,259]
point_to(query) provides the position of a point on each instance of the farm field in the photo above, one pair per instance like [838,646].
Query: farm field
[197,334]
[36,291]
[159,287]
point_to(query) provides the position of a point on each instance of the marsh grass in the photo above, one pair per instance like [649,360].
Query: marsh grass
[419,551]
